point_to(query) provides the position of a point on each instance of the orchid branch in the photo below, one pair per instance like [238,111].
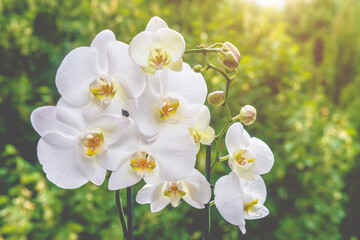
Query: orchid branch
[120,212]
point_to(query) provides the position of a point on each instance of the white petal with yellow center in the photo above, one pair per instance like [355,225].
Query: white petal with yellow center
[157,47]
[194,189]
[249,157]
[71,149]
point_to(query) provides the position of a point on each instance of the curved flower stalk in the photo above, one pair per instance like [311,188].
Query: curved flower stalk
[157,47]
[237,199]
[248,157]
[170,155]
[74,150]
[100,77]
[175,100]
[194,190]
[200,129]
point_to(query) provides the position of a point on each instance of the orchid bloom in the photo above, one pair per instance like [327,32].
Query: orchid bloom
[237,199]
[194,189]
[170,155]
[200,130]
[170,98]
[74,150]
[157,47]
[248,157]
[100,77]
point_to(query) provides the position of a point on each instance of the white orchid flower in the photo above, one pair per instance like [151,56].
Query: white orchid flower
[100,77]
[248,157]
[170,98]
[157,47]
[200,129]
[195,190]
[237,199]
[170,155]
[73,150]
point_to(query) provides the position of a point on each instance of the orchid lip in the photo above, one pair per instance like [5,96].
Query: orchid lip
[92,143]
[174,191]
[103,89]
[196,134]
[159,58]
[142,163]
[167,111]
[244,158]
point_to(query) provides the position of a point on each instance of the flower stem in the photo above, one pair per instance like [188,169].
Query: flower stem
[129,213]
[204,50]
[120,212]
[207,221]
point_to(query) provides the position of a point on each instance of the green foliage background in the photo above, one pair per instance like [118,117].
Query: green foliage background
[299,68]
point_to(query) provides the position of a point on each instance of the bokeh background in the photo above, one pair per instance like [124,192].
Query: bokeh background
[300,68]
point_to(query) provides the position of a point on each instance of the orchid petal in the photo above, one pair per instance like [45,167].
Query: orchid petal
[262,212]
[198,190]
[155,23]
[91,168]
[58,139]
[264,156]
[100,43]
[159,200]
[229,199]
[59,164]
[153,194]
[144,115]
[175,153]
[258,187]
[121,151]
[187,83]
[172,41]
[202,118]
[140,46]
[124,177]
[44,120]
[128,74]
[176,66]
[208,136]
[235,137]
[78,69]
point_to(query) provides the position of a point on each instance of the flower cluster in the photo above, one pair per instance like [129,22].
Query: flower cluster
[86,134]
[241,194]
[138,111]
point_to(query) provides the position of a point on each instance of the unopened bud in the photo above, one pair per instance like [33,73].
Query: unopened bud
[197,68]
[232,57]
[247,114]
[216,98]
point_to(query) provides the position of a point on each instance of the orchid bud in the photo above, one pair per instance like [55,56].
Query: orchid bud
[247,115]
[216,98]
[197,68]
[232,57]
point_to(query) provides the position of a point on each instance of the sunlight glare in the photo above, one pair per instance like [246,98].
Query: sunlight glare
[270,3]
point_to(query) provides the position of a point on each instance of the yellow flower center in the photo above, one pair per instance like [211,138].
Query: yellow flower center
[248,207]
[93,144]
[103,89]
[168,109]
[159,58]
[142,163]
[196,134]
[174,193]
[244,158]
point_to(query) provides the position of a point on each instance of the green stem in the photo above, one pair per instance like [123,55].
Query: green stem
[204,50]
[219,136]
[120,212]
[224,158]
[219,70]
[129,207]
[207,206]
